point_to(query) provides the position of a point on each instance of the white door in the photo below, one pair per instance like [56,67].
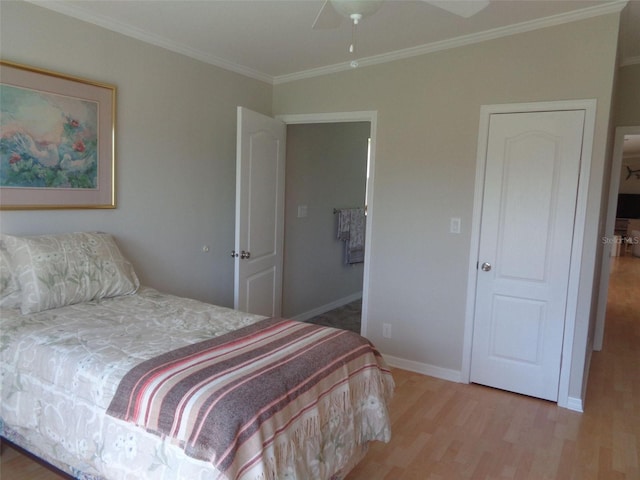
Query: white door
[526,233]
[260,174]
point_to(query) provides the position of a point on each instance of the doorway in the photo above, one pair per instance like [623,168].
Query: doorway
[330,167]
[575,242]
[624,180]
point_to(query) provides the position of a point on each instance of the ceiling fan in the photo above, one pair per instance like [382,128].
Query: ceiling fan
[333,12]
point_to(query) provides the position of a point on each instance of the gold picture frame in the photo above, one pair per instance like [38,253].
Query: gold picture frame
[57,140]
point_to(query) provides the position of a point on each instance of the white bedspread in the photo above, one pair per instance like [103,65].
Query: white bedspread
[90,347]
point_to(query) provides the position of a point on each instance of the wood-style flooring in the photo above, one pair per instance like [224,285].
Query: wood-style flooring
[444,430]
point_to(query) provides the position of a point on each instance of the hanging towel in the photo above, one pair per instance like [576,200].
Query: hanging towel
[351,230]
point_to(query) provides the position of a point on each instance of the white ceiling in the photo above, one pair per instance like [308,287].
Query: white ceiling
[273,40]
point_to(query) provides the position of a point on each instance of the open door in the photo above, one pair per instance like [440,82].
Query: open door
[260,174]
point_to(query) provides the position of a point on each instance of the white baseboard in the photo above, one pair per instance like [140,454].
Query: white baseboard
[303,317]
[575,404]
[424,368]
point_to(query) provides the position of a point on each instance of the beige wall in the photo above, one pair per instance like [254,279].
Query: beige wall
[428,110]
[627,105]
[175,149]
[326,169]
[176,160]
[632,184]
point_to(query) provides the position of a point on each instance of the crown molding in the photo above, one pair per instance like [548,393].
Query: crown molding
[156,40]
[554,20]
[602,9]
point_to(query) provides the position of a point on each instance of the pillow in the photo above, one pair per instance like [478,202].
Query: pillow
[58,270]
[10,293]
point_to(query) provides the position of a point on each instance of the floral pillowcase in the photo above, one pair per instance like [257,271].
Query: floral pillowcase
[57,270]
[10,294]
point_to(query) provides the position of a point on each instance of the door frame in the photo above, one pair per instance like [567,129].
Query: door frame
[589,106]
[370,116]
[605,269]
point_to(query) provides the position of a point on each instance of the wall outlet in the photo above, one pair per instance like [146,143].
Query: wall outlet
[386,330]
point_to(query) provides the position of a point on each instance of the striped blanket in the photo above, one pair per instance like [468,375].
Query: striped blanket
[245,401]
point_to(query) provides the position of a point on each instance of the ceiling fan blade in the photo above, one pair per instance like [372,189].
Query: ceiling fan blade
[462,8]
[327,17]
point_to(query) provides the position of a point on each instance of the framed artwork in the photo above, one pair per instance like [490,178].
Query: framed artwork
[57,140]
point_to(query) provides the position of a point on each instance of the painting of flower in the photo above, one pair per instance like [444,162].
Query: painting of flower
[57,140]
[47,140]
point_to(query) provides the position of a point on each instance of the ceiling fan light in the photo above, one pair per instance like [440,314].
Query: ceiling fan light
[463,8]
[361,7]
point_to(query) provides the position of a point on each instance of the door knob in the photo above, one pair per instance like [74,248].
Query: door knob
[486,267]
[244,254]
[234,254]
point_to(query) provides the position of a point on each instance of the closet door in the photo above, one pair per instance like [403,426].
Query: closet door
[528,213]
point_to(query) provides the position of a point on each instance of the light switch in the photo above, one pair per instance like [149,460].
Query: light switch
[455,225]
[302,211]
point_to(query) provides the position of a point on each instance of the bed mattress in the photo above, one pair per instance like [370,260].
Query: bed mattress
[61,368]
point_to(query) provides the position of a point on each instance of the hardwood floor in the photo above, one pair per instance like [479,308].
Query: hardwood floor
[15,465]
[444,430]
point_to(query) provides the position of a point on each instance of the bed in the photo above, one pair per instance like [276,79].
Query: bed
[106,379]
